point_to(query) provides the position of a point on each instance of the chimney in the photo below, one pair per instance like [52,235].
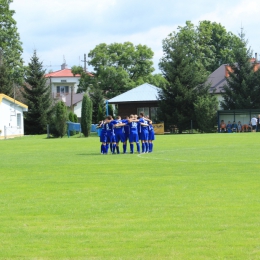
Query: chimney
[63,66]
[256,60]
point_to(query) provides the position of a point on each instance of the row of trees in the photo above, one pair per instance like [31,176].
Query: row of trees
[44,110]
[189,55]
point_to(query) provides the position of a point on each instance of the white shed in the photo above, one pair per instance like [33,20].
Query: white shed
[11,117]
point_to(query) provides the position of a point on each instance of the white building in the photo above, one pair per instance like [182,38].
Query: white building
[11,117]
[63,82]
[64,86]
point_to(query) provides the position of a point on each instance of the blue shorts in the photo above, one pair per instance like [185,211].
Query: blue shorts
[103,138]
[120,137]
[151,135]
[111,138]
[144,136]
[133,138]
[126,136]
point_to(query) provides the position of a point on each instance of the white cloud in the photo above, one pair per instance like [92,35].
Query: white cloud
[74,27]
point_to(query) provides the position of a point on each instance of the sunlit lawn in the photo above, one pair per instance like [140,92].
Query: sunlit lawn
[195,197]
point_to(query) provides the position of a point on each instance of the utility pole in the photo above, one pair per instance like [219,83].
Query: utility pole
[71,99]
[85,62]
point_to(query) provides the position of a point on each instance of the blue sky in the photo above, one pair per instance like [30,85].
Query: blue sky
[70,28]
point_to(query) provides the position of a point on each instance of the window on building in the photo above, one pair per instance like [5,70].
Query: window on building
[62,90]
[19,120]
[154,116]
[145,110]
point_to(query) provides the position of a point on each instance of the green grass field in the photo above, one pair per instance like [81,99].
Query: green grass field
[195,197]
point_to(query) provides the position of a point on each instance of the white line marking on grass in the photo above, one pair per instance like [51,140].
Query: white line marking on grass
[150,156]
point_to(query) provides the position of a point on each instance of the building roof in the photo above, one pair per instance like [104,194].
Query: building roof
[12,100]
[63,73]
[217,79]
[77,97]
[145,92]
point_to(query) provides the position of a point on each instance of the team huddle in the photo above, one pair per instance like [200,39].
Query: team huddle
[131,128]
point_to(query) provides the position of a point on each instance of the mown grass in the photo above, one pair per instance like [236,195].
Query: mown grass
[194,197]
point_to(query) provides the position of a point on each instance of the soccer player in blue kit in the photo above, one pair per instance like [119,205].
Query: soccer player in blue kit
[119,131]
[111,141]
[103,136]
[133,135]
[150,136]
[144,133]
[126,133]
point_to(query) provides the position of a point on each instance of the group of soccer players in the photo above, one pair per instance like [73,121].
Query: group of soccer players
[131,128]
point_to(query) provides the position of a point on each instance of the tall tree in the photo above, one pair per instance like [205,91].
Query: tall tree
[208,43]
[38,97]
[186,79]
[119,67]
[86,115]
[60,118]
[5,80]
[220,44]
[243,84]
[98,103]
[10,43]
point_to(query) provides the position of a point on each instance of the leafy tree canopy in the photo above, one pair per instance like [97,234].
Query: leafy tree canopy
[119,67]
[10,44]
[209,43]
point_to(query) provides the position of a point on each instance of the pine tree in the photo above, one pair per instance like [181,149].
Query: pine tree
[61,117]
[37,96]
[243,84]
[186,82]
[86,115]
[98,102]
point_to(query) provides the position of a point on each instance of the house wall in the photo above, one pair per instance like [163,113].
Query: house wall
[63,82]
[10,113]
[219,98]
[77,109]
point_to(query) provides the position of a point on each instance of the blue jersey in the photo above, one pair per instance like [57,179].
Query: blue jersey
[103,134]
[144,128]
[110,132]
[150,132]
[117,129]
[133,127]
[126,128]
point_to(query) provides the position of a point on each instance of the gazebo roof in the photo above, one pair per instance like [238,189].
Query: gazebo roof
[143,93]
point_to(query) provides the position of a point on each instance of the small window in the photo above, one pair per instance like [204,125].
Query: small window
[19,120]
[145,110]
[154,116]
